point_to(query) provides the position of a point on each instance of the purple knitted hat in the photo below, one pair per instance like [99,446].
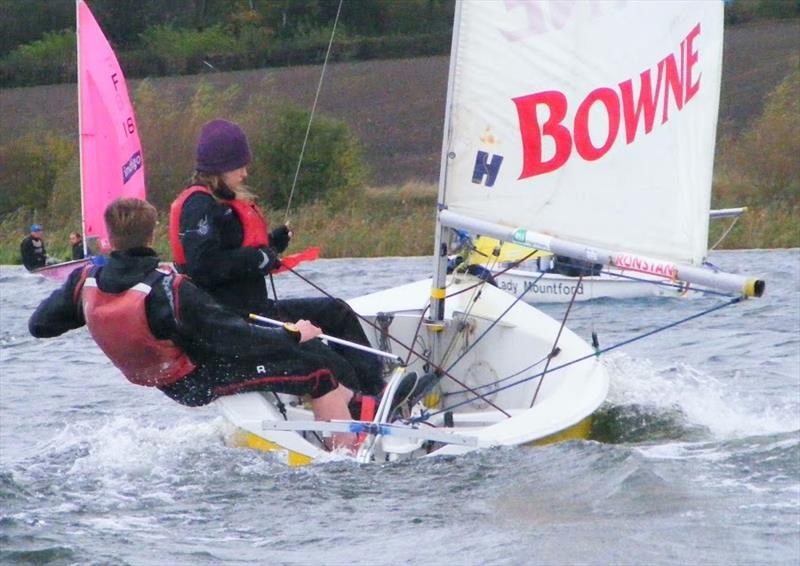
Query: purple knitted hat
[222,147]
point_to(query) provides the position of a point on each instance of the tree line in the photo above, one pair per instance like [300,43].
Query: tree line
[170,37]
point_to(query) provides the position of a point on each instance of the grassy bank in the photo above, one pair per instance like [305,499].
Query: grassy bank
[373,223]
[399,222]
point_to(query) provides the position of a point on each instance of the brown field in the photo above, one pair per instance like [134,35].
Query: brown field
[396,107]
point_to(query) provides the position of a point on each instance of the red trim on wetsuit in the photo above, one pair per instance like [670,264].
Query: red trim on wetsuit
[325,383]
[254,225]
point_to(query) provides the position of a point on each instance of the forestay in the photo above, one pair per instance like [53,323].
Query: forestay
[593,122]
[112,164]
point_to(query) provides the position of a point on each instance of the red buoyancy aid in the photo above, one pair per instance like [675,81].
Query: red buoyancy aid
[118,323]
[254,225]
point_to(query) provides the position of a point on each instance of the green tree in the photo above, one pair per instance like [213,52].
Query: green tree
[24,21]
[332,164]
[30,167]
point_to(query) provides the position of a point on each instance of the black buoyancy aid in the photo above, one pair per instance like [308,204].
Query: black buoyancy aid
[118,323]
[254,225]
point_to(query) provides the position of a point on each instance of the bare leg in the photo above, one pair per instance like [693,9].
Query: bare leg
[333,406]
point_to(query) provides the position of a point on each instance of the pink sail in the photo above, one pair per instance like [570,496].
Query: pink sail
[112,163]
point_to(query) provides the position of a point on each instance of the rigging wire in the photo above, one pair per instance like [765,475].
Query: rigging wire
[422,356]
[493,324]
[313,110]
[733,301]
[677,286]
[555,342]
[506,378]
[411,349]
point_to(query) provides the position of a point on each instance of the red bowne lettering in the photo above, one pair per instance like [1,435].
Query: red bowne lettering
[671,79]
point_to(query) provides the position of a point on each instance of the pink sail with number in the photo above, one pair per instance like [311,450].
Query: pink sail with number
[112,164]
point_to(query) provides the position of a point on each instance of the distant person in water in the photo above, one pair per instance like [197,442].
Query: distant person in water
[220,238]
[32,249]
[163,331]
[76,241]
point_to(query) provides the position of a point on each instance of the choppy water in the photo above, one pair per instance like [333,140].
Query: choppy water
[696,458]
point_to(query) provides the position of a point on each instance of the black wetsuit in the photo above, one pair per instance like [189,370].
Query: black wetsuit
[212,237]
[33,253]
[230,355]
[77,250]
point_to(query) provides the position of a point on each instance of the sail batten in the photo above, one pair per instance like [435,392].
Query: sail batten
[558,123]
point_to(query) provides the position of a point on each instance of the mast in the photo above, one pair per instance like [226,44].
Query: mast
[80,123]
[441,235]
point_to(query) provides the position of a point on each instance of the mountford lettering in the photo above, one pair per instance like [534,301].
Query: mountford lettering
[674,78]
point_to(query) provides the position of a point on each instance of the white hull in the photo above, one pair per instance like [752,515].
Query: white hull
[554,288]
[523,337]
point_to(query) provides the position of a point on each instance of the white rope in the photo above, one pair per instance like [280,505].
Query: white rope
[724,234]
[313,109]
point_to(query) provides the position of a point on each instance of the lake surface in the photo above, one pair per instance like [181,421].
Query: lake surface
[695,458]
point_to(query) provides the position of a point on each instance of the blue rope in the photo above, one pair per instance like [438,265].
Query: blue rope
[426,416]
[515,374]
[677,286]
[667,284]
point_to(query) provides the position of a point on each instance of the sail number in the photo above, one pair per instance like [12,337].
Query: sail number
[129,126]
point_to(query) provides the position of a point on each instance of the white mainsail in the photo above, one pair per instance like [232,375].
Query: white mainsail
[593,122]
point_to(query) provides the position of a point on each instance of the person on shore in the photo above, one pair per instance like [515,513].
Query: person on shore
[161,330]
[76,241]
[32,249]
[220,238]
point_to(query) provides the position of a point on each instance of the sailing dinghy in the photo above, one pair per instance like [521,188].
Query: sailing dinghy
[111,159]
[581,129]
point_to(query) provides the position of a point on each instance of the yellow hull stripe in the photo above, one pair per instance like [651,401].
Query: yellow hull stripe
[579,431]
[244,439]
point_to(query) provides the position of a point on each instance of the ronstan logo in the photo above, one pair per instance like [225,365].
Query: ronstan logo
[626,261]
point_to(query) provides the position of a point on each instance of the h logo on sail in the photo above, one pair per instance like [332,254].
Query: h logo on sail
[486,170]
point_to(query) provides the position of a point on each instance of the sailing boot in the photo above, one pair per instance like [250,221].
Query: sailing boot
[412,388]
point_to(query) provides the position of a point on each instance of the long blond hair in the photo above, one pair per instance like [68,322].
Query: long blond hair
[214,182]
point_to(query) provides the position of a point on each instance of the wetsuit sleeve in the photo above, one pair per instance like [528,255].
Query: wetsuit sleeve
[58,313]
[206,328]
[210,259]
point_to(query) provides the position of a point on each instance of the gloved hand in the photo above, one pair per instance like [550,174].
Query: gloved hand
[270,261]
[279,238]
[453,262]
